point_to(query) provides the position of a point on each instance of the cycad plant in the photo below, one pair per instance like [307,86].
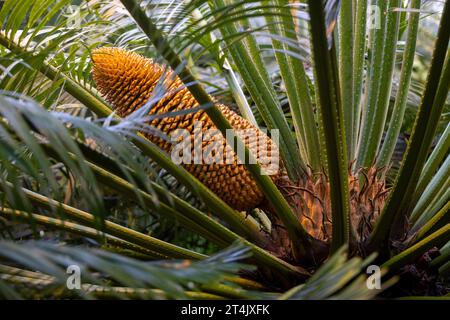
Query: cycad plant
[95,93]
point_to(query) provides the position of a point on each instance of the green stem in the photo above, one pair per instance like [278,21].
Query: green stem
[359,50]
[332,118]
[443,258]
[112,228]
[437,184]
[437,221]
[398,204]
[366,149]
[80,230]
[222,290]
[401,98]
[295,79]
[412,253]
[433,162]
[439,201]
[380,81]
[102,292]
[346,71]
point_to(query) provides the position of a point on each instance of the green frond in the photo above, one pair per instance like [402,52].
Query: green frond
[47,264]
